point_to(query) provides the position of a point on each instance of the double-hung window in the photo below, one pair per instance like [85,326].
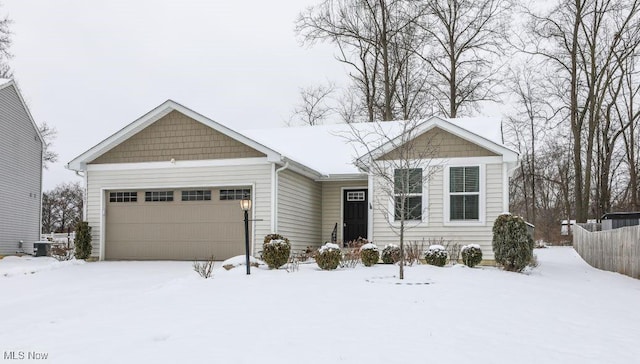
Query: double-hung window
[408,187]
[464,193]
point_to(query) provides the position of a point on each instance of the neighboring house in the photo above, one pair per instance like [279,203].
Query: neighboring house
[21,149]
[168,185]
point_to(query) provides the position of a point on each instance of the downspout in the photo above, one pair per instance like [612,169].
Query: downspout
[84,195]
[274,182]
[41,190]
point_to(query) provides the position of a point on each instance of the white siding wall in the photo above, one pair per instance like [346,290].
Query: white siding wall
[332,206]
[258,175]
[299,210]
[435,227]
[20,176]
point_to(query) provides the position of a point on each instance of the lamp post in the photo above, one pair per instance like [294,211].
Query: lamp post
[245,205]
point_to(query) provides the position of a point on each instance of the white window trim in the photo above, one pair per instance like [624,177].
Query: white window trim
[425,205]
[481,199]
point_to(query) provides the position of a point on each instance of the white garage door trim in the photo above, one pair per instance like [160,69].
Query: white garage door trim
[103,205]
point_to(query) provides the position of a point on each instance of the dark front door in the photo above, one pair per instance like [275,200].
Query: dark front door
[354,225]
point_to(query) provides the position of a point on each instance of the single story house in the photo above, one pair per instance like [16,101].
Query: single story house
[168,185]
[21,148]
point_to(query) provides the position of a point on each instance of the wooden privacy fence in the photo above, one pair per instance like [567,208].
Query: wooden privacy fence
[616,250]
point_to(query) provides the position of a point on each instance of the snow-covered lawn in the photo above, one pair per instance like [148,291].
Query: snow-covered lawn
[162,312]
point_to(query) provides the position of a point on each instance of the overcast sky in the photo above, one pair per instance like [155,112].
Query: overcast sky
[88,68]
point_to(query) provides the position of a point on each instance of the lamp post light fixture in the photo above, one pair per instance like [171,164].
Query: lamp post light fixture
[245,205]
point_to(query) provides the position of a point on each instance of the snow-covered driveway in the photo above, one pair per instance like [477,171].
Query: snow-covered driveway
[162,312]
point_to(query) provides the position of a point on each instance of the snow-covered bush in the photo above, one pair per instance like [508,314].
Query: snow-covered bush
[436,255]
[512,244]
[391,254]
[82,240]
[276,250]
[370,254]
[471,255]
[329,256]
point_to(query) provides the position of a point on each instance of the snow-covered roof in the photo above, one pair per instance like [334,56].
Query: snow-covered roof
[322,151]
[327,149]
[323,148]
[4,81]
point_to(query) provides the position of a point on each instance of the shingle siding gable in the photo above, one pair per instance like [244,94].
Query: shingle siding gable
[176,136]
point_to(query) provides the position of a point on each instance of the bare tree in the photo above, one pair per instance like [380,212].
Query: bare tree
[373,38]
[527,127]
[314,106]
[629,109]
[62,207]
[584,44]
[5,43]
[464,42]
[48,134]
[399,174]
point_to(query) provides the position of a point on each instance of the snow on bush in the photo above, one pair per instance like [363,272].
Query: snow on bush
[329,256]
[391,254]
[512,244]
[328,246]
[471,255]
[436,255]
[276,250]
[369,254]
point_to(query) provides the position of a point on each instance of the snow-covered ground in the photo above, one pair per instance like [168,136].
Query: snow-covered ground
[162,312]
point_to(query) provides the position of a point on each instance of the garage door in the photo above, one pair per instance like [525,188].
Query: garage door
[174,224]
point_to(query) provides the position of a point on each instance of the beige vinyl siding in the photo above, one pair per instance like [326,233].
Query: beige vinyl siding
[259,175]
[332,205]
[435,227]
[20,175]
[299,210]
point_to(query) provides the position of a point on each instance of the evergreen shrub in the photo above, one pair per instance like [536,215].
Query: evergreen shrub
[82,240]
[329,256]
[391,254]
[471,255]
[436,255]
[276,250]
[512,244]
[369,254]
